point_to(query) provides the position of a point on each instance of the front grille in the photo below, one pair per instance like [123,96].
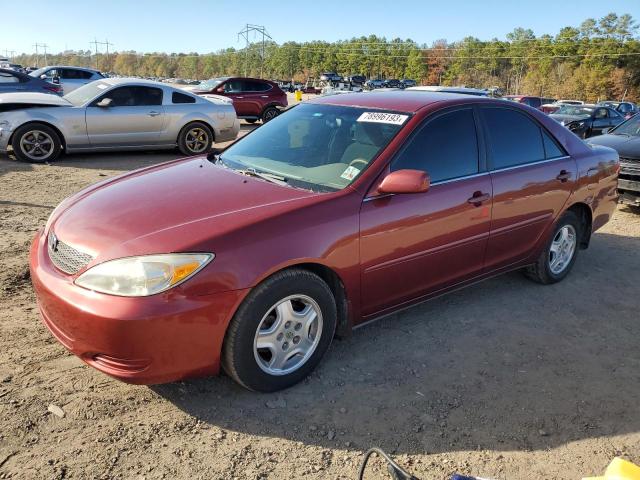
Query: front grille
[630,161]
[65,257]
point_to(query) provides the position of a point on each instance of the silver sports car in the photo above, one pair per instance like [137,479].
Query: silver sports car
[114,114]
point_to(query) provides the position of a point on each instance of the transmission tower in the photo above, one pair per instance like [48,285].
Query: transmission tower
[256,30]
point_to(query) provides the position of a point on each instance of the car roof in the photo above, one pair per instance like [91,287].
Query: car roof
[133,80]
[408,101]
[72,67]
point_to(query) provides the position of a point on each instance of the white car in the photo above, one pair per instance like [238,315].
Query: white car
[69,78]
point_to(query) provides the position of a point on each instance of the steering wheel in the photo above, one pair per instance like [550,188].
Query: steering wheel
[357,161]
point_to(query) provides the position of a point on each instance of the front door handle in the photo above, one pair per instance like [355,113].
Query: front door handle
[153,113]
[478,197]
[563,176]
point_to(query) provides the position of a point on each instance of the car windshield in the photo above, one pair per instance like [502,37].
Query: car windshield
[211,83]
[87,92]
[574,110]
[630,127]
[317,147]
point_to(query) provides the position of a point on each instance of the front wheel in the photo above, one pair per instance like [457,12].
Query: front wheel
[195,138]
[559,255]
[280,332]
[36,143]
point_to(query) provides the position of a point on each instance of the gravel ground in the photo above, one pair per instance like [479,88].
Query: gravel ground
[506,379]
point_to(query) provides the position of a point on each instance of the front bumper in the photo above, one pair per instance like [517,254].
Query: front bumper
[5,134]
[145,340]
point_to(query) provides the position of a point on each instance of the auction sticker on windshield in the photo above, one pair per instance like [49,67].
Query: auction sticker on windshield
[381,117]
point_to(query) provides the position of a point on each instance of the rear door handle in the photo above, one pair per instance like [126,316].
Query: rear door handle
[153,113]
[563,176]
[478,197]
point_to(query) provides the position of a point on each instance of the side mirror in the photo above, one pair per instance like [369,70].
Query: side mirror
[43,76]
[220,90]
[104,103]
[606,130]
[405,181]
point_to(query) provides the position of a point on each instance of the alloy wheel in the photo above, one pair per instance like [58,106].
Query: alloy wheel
[37,145]
[563,247]
[287,335]
[197,140]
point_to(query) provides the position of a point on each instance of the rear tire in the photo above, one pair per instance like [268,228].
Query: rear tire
[280,332]
[557,259]
[269,114]
[36,142]
[195,138]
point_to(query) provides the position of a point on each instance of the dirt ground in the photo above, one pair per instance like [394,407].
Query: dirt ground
[507,379]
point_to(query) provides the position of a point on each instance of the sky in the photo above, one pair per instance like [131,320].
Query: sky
[209,25]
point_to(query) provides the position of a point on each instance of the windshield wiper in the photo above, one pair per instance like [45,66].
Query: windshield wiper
[271,177]
[250,172]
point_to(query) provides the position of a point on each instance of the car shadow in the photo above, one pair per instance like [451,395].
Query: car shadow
[506,364]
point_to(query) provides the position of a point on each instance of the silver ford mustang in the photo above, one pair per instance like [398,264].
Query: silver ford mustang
[114,114]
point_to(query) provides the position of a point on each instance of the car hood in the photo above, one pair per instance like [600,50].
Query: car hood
[176,206]
[626,146]
[45,99]
[567,118]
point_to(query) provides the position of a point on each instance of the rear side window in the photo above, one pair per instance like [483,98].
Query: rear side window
[255,86]
[446,147]
[514,139]
[551,148]
[177,97]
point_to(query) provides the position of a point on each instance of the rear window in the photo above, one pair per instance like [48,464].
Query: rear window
[177,97]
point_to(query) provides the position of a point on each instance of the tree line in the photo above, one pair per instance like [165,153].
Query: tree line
[600,59]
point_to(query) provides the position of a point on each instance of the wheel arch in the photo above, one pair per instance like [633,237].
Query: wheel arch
[336,285]
[584,213]
[63,141]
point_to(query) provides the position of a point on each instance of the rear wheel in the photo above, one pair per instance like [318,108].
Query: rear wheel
[559,255]
[195,138]
[269,114]
[36,142]
[280,332]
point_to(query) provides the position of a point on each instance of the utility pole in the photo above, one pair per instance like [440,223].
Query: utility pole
[256,30]
[106,43]
[43,45]
[95,44]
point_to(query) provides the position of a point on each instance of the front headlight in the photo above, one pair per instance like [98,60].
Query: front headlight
[144,275]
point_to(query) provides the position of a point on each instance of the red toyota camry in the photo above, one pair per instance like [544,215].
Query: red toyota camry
[340,210]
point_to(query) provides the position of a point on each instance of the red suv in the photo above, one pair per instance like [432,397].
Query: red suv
[253,98]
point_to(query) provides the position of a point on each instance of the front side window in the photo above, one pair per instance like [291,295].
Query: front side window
[133,96]
[601,113]
[446,147]
[514,139]
[234,86]
[318,147]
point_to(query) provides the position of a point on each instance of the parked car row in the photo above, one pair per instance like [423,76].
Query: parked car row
[390,83]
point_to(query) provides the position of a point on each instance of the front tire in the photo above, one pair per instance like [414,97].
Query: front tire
[559,255]
[280,332]
[195,139]
[37,143]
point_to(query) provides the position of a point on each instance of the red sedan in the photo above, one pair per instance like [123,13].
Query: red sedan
[340,210]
